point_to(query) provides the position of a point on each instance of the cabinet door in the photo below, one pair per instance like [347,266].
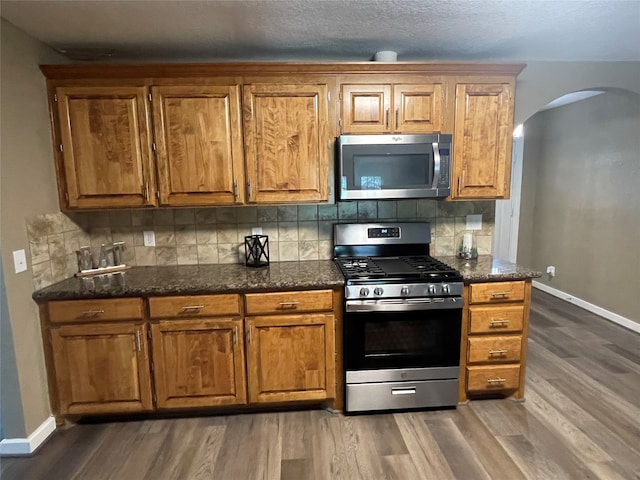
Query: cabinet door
[102,368]
[286,141]
[105,146]
[198,363]
[366,108]
[482,141]
[417,108]
[291,357]
[199,144]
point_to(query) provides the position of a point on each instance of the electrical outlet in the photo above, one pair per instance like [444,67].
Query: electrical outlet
[149,238]
[19,261]
[551,270]
[474,222]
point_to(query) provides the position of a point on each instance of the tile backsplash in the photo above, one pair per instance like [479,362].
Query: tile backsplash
[216,235]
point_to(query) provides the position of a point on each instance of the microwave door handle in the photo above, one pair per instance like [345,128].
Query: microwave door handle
[436,164]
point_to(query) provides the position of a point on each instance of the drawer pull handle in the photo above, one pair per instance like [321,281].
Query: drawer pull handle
[496,380]
[289,304]
[500,294]
[92,313]
[499,323]
[403,391]
[192,307]
[498,352]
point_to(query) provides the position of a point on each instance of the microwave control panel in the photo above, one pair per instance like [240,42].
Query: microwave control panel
[445,168]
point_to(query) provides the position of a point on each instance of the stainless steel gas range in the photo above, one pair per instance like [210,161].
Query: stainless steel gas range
[402,318]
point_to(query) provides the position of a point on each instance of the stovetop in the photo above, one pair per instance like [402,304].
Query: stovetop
[417,269]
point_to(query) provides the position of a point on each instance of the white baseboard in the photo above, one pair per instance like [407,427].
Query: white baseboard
[614,317]
[26,446]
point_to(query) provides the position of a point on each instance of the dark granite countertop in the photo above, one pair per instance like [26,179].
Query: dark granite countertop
[486,268]
[207,279]
[197,279]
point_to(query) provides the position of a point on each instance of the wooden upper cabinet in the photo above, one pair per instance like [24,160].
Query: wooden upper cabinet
[482,140]
[199,144]
[365,108]
[286,143]
[106,147]
[102,368]
[418,108]
[392,108]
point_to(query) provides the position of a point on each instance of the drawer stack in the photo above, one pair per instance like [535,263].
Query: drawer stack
[496,316]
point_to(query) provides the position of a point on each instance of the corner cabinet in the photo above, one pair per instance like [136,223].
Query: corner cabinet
[198,139]
[105,147]
[286,142]
[482,138]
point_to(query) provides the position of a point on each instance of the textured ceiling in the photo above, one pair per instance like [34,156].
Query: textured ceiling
[321,30]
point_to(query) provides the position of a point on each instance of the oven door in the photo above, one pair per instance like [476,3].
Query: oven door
[402,334]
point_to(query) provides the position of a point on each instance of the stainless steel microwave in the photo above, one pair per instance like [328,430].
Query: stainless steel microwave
[394,166]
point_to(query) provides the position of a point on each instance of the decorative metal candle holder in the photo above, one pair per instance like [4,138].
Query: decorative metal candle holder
[256,250]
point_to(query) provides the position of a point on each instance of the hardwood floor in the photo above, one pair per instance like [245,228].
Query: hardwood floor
[580,420]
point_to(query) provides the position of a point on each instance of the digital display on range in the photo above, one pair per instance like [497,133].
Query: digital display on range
[384,232]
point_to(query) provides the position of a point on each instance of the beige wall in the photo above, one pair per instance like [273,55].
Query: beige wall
[581,201]
[541,82]
[27,188]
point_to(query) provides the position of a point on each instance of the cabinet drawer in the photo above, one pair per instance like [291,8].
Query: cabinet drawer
[498,319]
[189,306]
[494,349]
[286,302]
[63,311]
[496,292]
[491,378]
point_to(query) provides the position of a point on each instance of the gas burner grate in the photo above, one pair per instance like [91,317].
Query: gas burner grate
[429,267]
[360,267]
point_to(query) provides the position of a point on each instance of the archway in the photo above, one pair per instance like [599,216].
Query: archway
[584,158]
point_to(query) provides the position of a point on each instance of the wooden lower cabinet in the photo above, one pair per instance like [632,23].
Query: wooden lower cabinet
[124,355]
[291,357]
[101,368]
[494,339]
[198,363]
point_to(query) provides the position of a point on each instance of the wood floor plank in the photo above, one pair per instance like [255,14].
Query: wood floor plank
[425,452]
[399,467]
[488,450]
[460,457]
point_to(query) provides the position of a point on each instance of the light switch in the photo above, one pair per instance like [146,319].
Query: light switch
[149,238]
[20,261]
[474,222]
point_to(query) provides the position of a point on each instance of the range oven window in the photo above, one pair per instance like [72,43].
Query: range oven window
[419,339]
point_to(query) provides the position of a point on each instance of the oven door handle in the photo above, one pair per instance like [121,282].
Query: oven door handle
[448,303]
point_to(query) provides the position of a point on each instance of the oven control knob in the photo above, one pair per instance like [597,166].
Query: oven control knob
[378,291]
[404,291]
[431,289]
[364,292]
[445,288]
